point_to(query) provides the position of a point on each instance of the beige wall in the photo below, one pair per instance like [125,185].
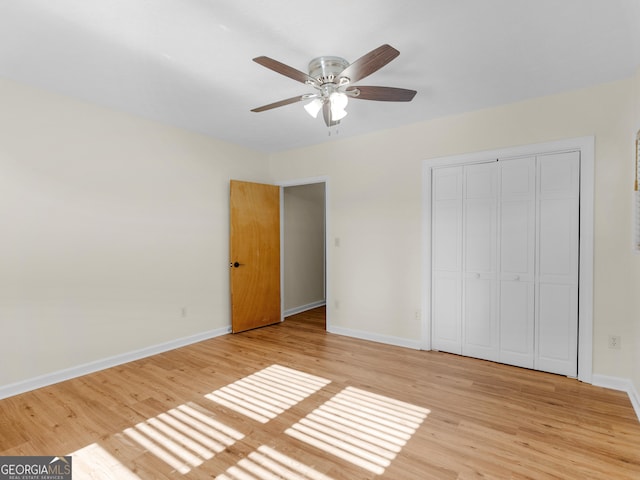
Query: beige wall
[375,209]
[111,225]
[303,245]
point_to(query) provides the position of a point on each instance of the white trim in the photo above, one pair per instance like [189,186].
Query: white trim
[622,385]
[327,229]
[586,146]
[92,367]
[585,287]
[374,337]
[304,308]
[425,339]
[281,273]
[302,181]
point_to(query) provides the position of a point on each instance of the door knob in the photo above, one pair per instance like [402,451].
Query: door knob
[235,264]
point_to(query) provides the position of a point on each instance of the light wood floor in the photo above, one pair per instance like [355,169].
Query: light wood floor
[291,401]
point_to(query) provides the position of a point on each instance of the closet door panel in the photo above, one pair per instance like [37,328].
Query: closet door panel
[480,333]
[517,323]
[558,242]
[517,238]
[558,262]
[557,329]
[479,238]
[447,312]
[517,261]
[480,197]
[447,217]
[446,296]
[558,174]
[517,218]
[480,328]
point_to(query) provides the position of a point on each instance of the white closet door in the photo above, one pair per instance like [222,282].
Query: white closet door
[517,239]
[558,249]
[479,307]
[447,259]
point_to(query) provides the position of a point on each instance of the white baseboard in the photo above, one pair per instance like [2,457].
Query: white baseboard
[91,367]
[374,337]
[621,384]
[303,308]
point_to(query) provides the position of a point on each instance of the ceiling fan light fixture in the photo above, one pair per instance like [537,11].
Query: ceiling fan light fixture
[337,114]
[314,107]
[338,102]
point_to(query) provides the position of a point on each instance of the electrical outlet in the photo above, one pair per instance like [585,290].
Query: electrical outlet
[418,316]
[614,342]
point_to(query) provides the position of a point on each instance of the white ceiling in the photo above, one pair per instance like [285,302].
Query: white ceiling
[188,62]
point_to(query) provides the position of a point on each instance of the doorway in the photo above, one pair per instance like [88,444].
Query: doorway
[303,245]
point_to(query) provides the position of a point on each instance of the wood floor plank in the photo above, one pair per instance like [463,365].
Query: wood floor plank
[293,401]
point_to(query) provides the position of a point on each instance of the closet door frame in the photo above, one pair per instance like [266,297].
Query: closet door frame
[586,147]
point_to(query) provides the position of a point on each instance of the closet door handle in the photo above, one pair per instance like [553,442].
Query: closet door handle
[510,278]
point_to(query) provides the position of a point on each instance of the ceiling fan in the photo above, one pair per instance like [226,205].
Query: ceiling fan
[333,79]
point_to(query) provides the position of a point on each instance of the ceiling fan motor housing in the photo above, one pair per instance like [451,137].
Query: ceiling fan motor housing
[327,69]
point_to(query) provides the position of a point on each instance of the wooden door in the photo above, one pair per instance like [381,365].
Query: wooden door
[254,247]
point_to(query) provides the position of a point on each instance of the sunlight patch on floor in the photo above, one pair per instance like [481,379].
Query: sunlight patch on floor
[360,427]
[183,437]
[269,464]
[365,429]
[95,462]
[267,393]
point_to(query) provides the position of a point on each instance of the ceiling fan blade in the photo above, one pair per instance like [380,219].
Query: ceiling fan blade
[285,70]
[383,94]
[281,103]
[326,113]
[369,63]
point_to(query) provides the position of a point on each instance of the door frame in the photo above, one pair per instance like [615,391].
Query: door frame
[586,146]
[327,263]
